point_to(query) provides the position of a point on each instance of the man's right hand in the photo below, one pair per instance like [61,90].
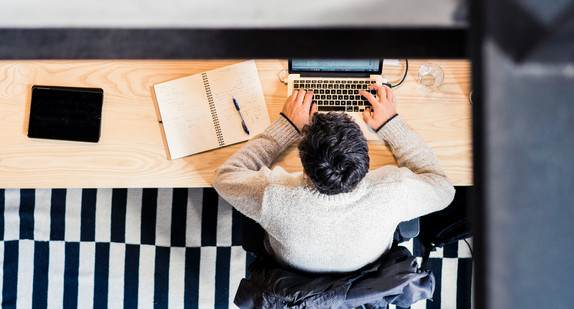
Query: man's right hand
[383,109]
[299,108]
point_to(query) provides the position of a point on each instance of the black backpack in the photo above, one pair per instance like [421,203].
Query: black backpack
[449,225]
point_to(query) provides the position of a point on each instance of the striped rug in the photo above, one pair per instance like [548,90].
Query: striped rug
[147,248]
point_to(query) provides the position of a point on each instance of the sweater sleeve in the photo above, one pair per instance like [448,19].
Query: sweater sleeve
[427,187]
[242,179]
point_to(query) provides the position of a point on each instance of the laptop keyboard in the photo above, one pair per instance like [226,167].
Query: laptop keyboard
[337,95]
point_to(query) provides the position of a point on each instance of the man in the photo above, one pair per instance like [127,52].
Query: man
[335,216]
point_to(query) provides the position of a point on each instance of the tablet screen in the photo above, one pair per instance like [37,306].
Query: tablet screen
[66,113]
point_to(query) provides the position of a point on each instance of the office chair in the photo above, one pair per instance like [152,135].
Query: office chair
[394,279]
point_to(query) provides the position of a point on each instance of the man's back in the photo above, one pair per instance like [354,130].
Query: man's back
[314,232]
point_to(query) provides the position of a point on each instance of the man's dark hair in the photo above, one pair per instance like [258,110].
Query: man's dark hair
[334,153]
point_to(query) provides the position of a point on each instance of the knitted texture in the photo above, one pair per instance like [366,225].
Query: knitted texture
[314,232]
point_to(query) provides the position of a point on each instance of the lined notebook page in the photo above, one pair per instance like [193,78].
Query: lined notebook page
[190,126]
[186,116]
[239,81]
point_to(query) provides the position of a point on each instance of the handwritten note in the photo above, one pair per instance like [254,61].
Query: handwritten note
[191,117]
[241,82]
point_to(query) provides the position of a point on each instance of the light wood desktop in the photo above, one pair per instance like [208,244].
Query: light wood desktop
[132,153]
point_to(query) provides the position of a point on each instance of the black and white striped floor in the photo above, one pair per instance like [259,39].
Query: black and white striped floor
[147,248]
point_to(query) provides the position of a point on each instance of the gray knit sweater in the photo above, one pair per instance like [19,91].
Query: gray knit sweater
[314,232]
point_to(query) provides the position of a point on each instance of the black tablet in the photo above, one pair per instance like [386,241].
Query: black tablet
[66,113]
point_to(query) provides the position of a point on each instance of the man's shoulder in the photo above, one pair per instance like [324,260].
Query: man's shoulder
[283,191]
[385,174]
[279,176]
[282,183]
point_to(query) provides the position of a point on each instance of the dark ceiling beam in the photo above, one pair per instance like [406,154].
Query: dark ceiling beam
[259,43]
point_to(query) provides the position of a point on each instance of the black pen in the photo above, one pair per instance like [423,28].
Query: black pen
[242,120]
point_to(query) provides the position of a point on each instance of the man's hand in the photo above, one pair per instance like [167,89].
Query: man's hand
[383,109]
[298,108]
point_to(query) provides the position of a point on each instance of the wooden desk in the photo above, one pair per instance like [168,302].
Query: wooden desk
[131,151]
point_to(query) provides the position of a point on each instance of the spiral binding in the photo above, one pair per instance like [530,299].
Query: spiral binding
[213,111]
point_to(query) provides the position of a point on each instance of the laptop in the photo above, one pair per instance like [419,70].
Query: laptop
[335,84]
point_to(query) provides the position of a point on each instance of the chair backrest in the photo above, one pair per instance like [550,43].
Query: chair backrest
[394,279]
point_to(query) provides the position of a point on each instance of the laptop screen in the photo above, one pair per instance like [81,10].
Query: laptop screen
[364,66]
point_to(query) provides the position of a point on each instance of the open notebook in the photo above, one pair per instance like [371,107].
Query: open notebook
[198,112]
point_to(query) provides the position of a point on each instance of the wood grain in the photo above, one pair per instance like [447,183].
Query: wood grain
[131,150]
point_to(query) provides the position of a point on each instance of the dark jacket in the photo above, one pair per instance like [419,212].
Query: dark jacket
[393,279]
